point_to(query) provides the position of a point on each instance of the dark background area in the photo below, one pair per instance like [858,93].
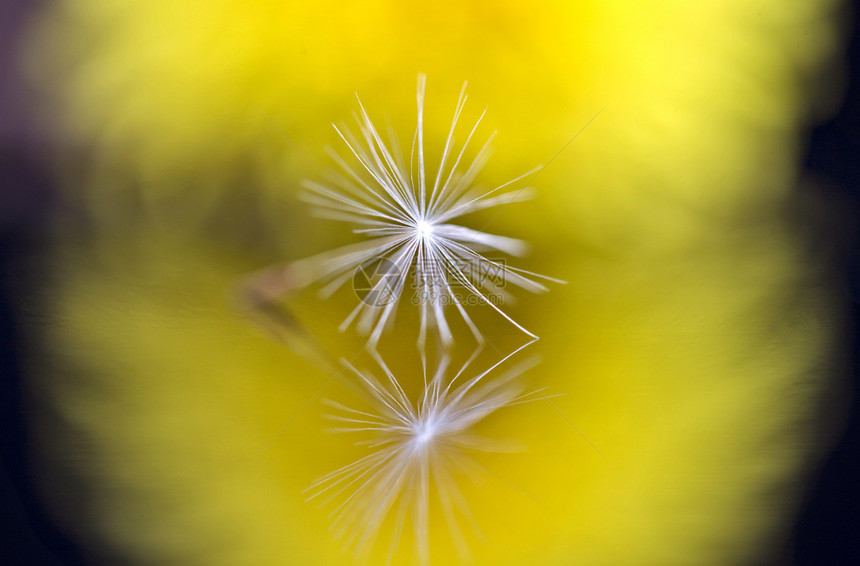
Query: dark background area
[828,528]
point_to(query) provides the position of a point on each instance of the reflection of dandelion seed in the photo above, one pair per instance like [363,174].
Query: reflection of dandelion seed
[408,220]
[418,448]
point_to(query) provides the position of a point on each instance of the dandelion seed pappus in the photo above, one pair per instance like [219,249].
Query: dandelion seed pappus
[416,450]
[405,211]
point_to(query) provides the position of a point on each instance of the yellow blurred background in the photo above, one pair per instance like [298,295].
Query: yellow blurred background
[691,342]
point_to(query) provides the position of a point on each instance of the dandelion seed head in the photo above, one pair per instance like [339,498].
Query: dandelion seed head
[419,450]
[423,229]
[407,216]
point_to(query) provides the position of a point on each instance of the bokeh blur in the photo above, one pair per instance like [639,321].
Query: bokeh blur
[705,219]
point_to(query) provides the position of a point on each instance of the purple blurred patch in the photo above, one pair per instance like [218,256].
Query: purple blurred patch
[26,194]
